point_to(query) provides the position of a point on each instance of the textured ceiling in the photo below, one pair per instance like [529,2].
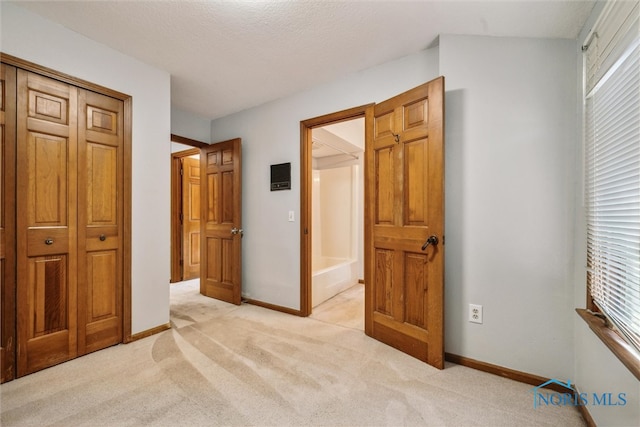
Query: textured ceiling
[226,56]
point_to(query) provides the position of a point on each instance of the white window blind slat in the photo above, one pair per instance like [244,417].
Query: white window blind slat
[612,167]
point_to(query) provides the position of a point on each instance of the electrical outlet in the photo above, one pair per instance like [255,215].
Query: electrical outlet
[475,313]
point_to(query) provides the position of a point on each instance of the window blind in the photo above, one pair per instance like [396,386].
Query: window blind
[612,168]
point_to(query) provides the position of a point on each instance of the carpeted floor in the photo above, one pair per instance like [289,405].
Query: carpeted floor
[222,364]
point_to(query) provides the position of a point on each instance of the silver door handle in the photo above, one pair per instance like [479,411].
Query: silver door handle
[235,230]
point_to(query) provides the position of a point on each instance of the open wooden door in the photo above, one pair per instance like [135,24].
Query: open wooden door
[404,256]
[190,216]
[221,221]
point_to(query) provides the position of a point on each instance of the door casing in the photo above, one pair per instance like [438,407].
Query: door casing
[306,170]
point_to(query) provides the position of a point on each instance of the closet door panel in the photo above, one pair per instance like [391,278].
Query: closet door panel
[7,221]
[100,219]
[46,199]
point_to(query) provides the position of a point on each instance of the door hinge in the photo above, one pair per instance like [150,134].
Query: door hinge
[181,171]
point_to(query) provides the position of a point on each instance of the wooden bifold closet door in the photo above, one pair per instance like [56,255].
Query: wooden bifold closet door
[69,203]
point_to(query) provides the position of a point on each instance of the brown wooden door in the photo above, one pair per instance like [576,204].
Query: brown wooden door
[100,221]
[221,224]
[405,198]
[7,221]
[46,226]
[190,218]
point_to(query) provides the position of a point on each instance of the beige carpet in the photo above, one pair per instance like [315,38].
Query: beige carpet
[226,365]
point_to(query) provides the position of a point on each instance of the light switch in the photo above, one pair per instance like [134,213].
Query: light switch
[291,216]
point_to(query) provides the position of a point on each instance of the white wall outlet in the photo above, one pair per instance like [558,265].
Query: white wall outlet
[475,313]
[292,216]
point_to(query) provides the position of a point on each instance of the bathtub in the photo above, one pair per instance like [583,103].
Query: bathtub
[330,277]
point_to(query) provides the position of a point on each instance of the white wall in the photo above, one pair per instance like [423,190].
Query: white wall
[27,36]
[597,369]
[190,125]
[510,149]
[271,134]
[337,231]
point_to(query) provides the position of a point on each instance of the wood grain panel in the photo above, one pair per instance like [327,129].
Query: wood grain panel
[213,207]
[214,267]
[415,289]
[384,125]
[47,293]
[384,281]
[47,107]
[384,186]
[415,114]
[102,272]
[101,120]
[194,248]
[227,198]
[47,180]
[102,179]
[193,210]
[416,172]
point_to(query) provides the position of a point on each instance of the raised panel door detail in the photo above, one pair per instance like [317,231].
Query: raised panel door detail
[194,201]
[384,186]
[102,175]
[227,157]
[48,107]
[101,120]
[212,158]
[416,172]
[226,197]
[194,248]
[47,295]
[102,273]
[384,281]
[213,182]
[384,125]
[47,180]
[415,114]
[415,288]
[214,267]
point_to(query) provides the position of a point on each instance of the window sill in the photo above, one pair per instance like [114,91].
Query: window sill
[613,341]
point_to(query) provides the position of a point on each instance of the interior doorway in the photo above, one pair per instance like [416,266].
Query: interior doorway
[185,215]
[332,217]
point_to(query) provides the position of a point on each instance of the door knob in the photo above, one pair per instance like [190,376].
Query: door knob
[103,237]
[235,230]
[432,240]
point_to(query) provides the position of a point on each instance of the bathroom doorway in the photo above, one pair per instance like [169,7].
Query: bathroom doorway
[332,223]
